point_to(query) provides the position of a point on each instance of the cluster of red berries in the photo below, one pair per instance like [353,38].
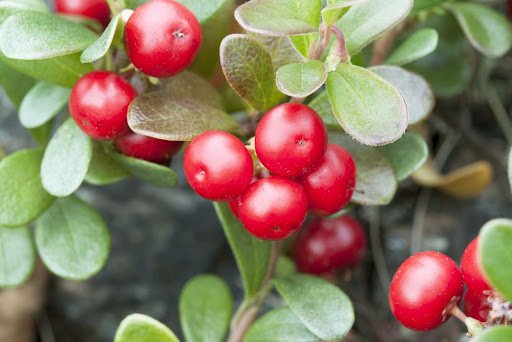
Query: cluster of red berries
[301,172]
[428,286]
[161,38]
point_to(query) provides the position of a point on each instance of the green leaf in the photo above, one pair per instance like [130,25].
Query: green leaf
[417,93]
[494,252]
[500,333]
[285,267]
[103,169]
[9,8]
[155,174]
[488,31]
[336,8]
[18,256]
[281,50]
[280,17]
[100,47]
[418,45]
[376,182]
[301,79]
[15,84]
[36,5]
[192,86]
[421,5]
[66,160]
[72,239]
[206,305]
[406,155]
[35,35]
[142,328]
[22,196]
[322,307]
[366,22]
[368,107]
[279,325]
[252,255]
[323,107]
[248,68]
[41,134]
[43,102]
[303,42]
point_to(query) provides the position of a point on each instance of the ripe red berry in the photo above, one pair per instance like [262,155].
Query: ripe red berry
[142,147]
[476,306]
[273,208]
[325,245]
[218,166]
[162,38]
[331,183]
[472,271]
[94,9]
[422,289]
[290,139]
[99,103]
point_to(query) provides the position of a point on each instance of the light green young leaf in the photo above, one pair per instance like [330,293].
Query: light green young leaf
[336,8]
[322,307]
[280,17]
[279,325]
[100,47]
[22,196]
[72,239]
[66,160]
[43,102]
[301,79]
[303,42]
[206,305]
[488,31]
[156,174]
[17,256]
[418,45]
[103,169]
[499,333]
[251,255]
[494,252]
[368,107]
[142,328]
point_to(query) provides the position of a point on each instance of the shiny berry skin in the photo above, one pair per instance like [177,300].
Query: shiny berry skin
[471,270]
[273,208]
[331,183]
[326,245]
[147,148]
[162,38]
[94,9]
[422,288]
[476,306]
[99,103]
[290,139]
[218,166]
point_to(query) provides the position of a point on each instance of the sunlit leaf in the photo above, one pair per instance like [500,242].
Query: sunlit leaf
[418,45]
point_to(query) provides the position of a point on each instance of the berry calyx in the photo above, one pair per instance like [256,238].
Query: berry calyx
[273,208]
[147,148]
[331,183]
[290,139]
[476,305]
[423,289]
[325,245]
[162,38]
[218,166]
[472,272]
[94,9]
[99,104]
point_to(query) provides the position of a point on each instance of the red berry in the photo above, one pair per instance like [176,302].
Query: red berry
[331,183]
[99,103]
[325,245]
[218,166]
[233,205]
[273,208]
[422,288]
[476,306]
[471,269]
[162,38]
[290,139]
[142,147]
[94,9]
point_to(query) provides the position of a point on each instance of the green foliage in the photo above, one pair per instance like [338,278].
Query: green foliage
[191,86]
[303,42]
[16,91]
[285,267]
[17,256]
[323,107]
[43,102]
[422,5]
[335,9]
[500,333]
[510,168]
[418,45]
[142,328]
[155,174]
[103,169]
[100,47]
[301,79]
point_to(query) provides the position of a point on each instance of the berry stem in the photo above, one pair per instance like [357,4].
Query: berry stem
[474,326]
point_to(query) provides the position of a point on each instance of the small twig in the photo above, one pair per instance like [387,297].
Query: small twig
[377,251]
[342,51]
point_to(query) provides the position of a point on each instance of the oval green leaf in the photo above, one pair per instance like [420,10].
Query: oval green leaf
[192,86]
[368,107]
[17,256]
[103,169]
[494,252]
[498,333]
[206,305]
[35,35]
[301,79]
[302,43]
[155,174]
[418,45]
[66,160]
[322,307]
[72,239]
[22,196]
[251,255]
[100,47]
[42,103]
[142,328]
